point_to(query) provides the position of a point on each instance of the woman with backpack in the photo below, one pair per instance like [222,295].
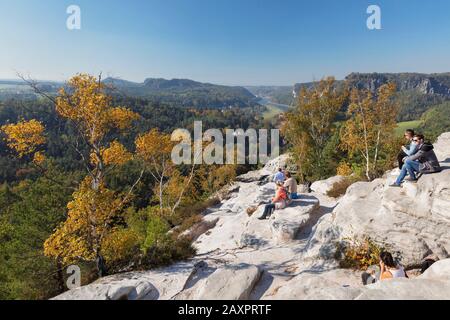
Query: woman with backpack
[279,202]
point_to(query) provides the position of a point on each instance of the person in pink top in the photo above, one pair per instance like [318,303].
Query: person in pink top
[278,202]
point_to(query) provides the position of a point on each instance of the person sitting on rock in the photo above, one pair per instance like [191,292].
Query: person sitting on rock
[408,150]
[279,202]
[423,161]
[389,269]
[279,176]
[291,186]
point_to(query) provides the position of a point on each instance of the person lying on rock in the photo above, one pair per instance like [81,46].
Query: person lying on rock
[279,176]
[407,150]
[279,202]
[389,269]
[291,186]
[423,161]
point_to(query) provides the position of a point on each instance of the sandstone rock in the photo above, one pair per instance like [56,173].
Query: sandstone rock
[442,147]
[283,161]
[332,285]
[281,227]
[160,284]
[227,283]
[345,284]
[123,290]
[439,270]
[323,186]
[414,220]
[199,228]
[291,255]
[286,223]
[407,289]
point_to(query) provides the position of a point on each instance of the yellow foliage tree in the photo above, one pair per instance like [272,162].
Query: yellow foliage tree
[310,125]
[89,222]
[370,127]
[25,136]
[85,103]
[155,149]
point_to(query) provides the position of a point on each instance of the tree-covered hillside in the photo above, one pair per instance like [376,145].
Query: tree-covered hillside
[416,92]
[176,92]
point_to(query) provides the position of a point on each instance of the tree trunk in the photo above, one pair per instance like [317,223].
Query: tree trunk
[101,266]
[60,277]
[367,166]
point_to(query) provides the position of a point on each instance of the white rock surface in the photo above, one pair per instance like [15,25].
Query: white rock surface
[157,284]
[291,255]
[414,220]
[442,147]
[227,283]
[323,186]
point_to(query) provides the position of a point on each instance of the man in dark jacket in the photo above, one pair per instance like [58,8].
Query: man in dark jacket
[423,161]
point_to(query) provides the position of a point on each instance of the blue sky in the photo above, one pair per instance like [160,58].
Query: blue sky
[236,42]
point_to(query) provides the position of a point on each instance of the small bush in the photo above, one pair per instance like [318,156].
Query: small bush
[358,253]
[120,247]
[168,251]
[340,188]
[344,169]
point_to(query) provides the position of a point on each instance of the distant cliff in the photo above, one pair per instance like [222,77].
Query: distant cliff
[417,92]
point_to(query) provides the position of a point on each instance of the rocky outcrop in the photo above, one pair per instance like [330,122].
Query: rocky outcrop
[227,283]
[413,220]
[442,147]
[342,285]
[292,254]
[323,186]
[157,284]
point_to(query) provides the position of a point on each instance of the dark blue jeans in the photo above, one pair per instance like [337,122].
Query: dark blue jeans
[410,167]
[294,196]
[268,210]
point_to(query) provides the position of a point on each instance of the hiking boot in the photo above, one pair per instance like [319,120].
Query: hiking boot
[409,179]
[262,218]
[395,185]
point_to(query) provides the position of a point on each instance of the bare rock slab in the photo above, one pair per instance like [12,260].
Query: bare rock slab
[226,283]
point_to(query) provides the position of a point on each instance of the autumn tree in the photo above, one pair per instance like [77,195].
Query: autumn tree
[86,105]
[369,131]
[309,127]
[155,149]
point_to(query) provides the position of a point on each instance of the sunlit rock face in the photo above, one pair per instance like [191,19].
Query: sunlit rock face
[291,255]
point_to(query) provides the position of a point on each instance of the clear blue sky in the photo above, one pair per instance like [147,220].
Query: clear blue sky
[240,42]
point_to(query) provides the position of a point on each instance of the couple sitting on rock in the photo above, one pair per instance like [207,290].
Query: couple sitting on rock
[419,157]
[285,193]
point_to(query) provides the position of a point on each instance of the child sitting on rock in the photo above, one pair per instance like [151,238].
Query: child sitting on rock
[279,202]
